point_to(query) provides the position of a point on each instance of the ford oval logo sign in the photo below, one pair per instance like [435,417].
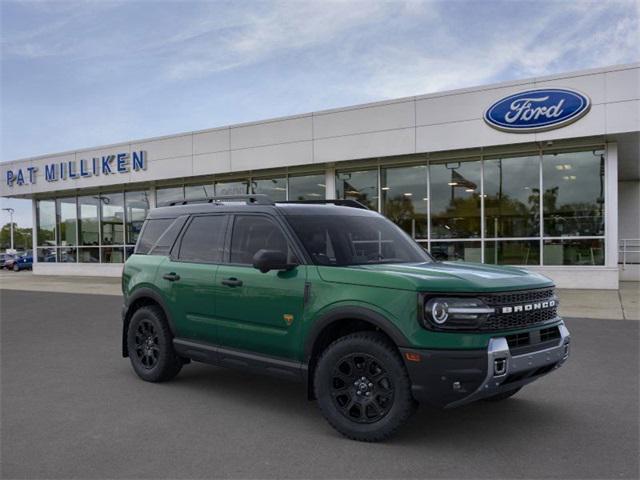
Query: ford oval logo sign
[537,110]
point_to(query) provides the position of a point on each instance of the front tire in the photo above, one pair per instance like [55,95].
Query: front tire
[363,388]
[16,268]
[150,346]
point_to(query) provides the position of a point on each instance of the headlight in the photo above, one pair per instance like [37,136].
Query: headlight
[452,312]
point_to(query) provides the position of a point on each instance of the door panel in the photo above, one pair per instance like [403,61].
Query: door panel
[190,277]
[256,311]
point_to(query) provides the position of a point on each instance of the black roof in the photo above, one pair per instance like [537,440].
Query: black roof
[261,203]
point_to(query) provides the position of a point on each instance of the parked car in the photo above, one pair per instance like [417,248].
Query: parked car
[23,262]
[7,262]
[339,297]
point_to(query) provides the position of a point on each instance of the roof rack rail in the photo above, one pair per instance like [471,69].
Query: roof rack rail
[255,199]
[340,202]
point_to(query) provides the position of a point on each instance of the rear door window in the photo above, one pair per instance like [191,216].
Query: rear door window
[151,232]
[203,241]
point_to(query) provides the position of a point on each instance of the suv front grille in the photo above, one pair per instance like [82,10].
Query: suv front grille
[512,320]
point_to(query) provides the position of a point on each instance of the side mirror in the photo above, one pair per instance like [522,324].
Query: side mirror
[265,260]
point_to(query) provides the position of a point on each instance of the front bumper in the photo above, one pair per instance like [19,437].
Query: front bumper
[451,378]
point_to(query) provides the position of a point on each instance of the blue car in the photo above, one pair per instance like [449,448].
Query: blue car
[23,262]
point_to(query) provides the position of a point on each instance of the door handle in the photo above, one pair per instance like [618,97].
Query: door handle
[172,277]
[232,282]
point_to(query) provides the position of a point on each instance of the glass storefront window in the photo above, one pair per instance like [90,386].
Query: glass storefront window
[89,255]
[232,188]
[512,197]
[512,252]
[276,188]
[166,196]
[574,252]
[112,217]
[197,192]
[455,200]
[307,187]
[457,251]
[88,220]
[361,186]
[67,254]
[112,255]
[136,209]
[67,221]
[46,218]
[404,198]
[46,255]
[573,198]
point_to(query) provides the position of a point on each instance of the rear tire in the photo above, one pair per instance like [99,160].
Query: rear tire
[503,395]
[362,387]
[16,268]
[150,346]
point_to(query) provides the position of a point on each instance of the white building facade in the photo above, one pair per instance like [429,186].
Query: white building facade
[542,173]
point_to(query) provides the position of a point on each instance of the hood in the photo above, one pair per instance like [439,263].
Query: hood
[437,277]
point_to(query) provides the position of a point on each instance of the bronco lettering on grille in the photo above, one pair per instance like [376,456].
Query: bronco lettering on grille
[528,307]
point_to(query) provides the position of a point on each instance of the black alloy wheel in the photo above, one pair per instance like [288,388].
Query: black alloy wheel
[361,388]
[150,345]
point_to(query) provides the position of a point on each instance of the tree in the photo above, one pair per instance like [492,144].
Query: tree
[21,237]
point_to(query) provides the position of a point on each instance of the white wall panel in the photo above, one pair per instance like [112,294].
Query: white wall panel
[623,85]
[623,116]
[592,85]
[209,163]
[593,123]
[271,133]
[212,141]
[166,169]
[286,154]
[366,145]
[166,147]
[361,120]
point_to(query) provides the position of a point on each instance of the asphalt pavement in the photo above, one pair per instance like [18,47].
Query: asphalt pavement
[72,408]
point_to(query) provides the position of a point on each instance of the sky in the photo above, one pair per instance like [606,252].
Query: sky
[86,73]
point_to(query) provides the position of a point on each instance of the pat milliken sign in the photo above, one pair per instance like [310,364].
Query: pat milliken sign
[537,110]
[117,163]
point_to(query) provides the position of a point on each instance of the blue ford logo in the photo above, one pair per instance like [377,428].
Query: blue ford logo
[537,110]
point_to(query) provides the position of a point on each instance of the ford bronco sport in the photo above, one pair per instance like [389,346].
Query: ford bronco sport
[336,296]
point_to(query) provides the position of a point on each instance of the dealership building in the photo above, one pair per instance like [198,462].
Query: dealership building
[541,172]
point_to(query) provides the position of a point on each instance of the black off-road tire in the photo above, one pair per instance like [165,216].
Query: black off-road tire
[347,408]
[16,268]
[150,346]
[503,395]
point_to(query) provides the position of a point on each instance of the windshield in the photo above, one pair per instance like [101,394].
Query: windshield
[341,240]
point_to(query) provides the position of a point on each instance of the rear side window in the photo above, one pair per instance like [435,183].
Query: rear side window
[252,233]
[151,232]
[203,240]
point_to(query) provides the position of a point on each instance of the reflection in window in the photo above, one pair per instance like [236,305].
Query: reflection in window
[573,198]
[457,251]
[67,221]
[46,255]
[232,188]
[574,252]
[46,219]
[198,192]
[112,218]
[167,196]
[88,220]
[67,255]
[455,200]
[276,188]
[512,197]
[112,255]
[361,186]
[136,208]
[89,255]
[404,198]
[307,187]
[512,252]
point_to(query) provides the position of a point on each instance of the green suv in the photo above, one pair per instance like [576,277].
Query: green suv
[334,295]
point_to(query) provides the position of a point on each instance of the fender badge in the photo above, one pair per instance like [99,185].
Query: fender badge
[288,318]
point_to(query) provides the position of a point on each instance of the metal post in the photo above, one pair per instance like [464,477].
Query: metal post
[11,212]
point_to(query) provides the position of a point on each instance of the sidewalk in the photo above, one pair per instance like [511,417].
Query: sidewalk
[623,304]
